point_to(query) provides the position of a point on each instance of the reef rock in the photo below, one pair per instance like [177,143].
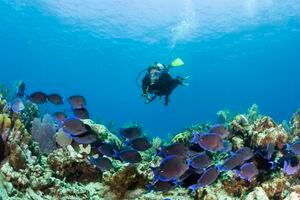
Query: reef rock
[183,137]
[71,165]
[295,123]
[103,133]
[126,180]
[266,131]
[253,113]
[186,135]
[16,158]
[275,187]
[257,194]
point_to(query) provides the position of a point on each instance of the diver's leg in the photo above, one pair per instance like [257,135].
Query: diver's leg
[167,100]
[181,80]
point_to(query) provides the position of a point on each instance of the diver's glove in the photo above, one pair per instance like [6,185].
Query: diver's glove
[148,99]
[182,79]
[145,95]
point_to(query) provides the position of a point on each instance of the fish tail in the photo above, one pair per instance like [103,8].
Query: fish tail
[196,137]
[176,182]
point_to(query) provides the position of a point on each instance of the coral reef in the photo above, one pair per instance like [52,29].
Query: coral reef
[32,169]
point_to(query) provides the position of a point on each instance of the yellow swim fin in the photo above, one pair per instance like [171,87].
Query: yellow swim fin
[176,63]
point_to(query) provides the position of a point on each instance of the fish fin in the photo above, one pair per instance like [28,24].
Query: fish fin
[159,152]
[149,187]
[194,187]
[9,105]
[196,137]
[219,168]
[127,142]
[176,182]
[237,172]
[155,179]
[288,147]
[92,160]
[59,124]
[116,154]
[165,179]
[273,165]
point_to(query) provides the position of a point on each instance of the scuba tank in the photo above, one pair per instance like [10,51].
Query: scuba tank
[178,62]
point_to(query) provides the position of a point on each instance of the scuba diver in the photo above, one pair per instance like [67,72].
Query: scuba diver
[158,82]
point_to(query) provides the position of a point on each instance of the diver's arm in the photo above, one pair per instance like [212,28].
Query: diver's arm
[145,84]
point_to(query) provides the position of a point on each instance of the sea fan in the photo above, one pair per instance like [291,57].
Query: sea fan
[43,131]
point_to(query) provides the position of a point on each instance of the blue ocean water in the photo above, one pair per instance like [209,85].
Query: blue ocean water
[236,53]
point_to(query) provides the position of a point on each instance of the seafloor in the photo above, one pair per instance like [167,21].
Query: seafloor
[65,173]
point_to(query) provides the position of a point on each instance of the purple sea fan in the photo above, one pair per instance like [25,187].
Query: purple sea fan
[43,131]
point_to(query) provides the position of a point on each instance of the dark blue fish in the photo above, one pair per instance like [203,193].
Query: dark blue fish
[131,156]
[211,142]
[74,126]
[86,138]
[219,129]
[245,152]
[289,168]
[207,178]
[107,149]
[160,186]
[232,162]
[101,163]
[194,149]
[200,161]
[55,99]
[178,149]
[266,152]
[139,144]
[294,148]
[16,105]
[247,171]
[77,101]
[81,113]
[59,117]
[21,90]
[190,177]
[170,169]
[131,132]
[38,98]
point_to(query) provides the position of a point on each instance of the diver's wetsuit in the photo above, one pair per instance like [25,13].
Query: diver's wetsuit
[161,87]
